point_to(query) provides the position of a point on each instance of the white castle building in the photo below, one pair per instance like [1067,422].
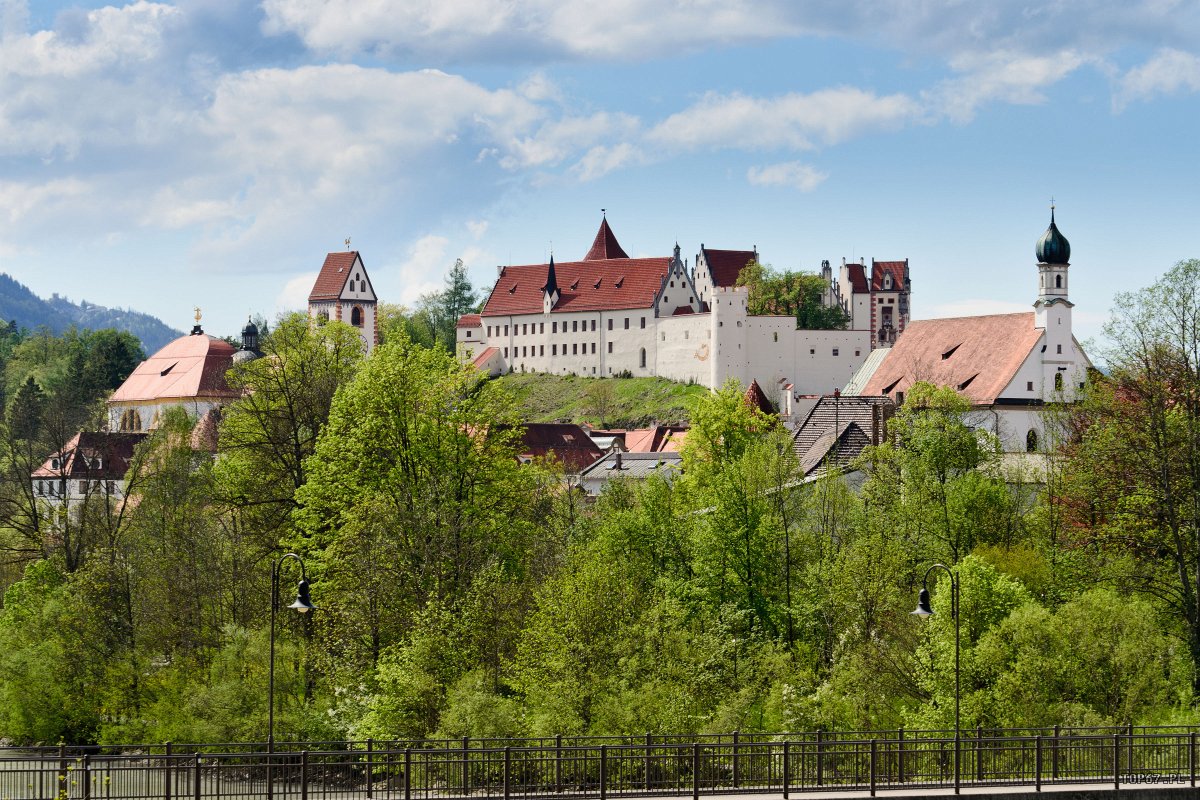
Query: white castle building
[610,315]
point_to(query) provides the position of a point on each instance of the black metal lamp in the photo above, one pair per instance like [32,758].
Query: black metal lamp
[924,610]
[303,604]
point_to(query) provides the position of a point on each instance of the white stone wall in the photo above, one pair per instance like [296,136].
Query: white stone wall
[684,350]
[153,412]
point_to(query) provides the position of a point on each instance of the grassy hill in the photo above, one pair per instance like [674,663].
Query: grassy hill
[606,402]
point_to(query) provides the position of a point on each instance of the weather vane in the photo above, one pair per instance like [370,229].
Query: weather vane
[347,242]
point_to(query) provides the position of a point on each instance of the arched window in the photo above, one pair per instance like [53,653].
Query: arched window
[1031,441]
[1058,281]
[643,358]
[131,421]
[1058,383]
[356,317]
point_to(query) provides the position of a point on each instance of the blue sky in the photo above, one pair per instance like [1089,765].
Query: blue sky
[208,153]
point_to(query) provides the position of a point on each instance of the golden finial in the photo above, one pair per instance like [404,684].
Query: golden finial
[197,315]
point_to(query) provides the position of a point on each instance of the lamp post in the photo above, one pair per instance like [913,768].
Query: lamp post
[303,604]
[923,610]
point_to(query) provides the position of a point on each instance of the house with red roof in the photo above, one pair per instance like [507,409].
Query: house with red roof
[610,315]
[89,468]
[343,291]
[1009,366]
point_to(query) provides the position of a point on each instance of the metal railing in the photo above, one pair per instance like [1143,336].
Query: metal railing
[603,767]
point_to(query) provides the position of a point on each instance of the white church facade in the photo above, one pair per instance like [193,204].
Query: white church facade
[609,315]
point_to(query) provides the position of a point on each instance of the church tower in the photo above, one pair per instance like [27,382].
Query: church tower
[343,292]
[1052,310]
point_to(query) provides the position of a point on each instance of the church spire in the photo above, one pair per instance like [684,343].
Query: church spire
[551,278]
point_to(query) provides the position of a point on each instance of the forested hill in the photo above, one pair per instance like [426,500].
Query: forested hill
[18,303]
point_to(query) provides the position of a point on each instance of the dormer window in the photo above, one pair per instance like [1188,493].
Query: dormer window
[54,463]
[887,281]
[950,352]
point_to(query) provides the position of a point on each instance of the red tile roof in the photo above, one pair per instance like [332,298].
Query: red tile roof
[469,321]
[858,277]
[332,278]
[881,268]
[726,265]
[659,439]
[604,285]
[978,356]
[681,310]
[605,245]
[487,354]
[568,443]
[77,457]
[189,367]
[757,398]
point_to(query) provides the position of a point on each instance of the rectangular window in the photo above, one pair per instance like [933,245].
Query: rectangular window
[574,326]
[627,323]
[523,353]
[835,351]
[524,328]
[1029,386]
[610,347]
[1060,349]
[554,327]
[553,349]
[468,334]
[664,336]
[593,348]
[541,327]
[643,322]
[506,330]
[610,324]
[541,349]
[489,329]
[593,326]
[574,349]
[506,352]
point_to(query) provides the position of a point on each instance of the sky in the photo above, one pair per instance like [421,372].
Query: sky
[167,155]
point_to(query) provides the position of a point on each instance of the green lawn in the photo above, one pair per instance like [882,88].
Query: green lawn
[604,402]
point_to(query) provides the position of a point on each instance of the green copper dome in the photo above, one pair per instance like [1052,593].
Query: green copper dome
[1053,247]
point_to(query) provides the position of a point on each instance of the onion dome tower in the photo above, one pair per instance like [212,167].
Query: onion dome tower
[249,350]
[1052,310]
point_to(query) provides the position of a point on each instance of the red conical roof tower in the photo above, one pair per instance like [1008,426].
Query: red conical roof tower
[605,245]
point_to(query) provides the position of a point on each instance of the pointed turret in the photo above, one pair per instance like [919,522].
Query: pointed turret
[605,244]
[550,293]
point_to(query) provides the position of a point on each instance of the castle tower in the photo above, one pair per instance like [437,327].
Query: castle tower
[1052,309]
[343,292]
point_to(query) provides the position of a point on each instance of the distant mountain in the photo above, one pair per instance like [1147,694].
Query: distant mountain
[58,313]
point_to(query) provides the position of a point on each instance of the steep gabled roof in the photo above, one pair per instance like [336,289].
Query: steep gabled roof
[568,443]
[893,268]
[469,321]
[725,265]
[192,366]
[605,245]
[978,356]
[815,436]
[659,439]
[756,398]
[858,277]
[333,276]
[604,285]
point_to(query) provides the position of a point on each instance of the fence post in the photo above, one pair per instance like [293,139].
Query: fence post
[507,768]
[303,775]
[86,778]
[1054,755]
[1192,757]
[196,779]
[820,760]
[647,762]
[1129,756]
[787,770]
[558,762]
[1117,761]
[408,773]
[370,767]
[872,768]
[695,771]
[62,770]
[900,754]
[979,753]
[603,771]
[1037,764]
[169,771]
[466,768]
[736,765]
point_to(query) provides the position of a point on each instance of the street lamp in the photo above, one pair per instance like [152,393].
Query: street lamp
[303,604]
[923,610]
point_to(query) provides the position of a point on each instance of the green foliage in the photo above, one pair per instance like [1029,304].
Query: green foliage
[433,323]
[617,402]
[793,294]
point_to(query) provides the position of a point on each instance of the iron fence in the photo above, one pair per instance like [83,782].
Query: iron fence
[603,767]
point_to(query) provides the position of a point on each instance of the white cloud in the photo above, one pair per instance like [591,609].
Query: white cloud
[1009,77]
[477,227]
[294,296]
[602,159]
[426,264]
[793,121]
[789,173]
[1168,72]
[561,138]
[18,199]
